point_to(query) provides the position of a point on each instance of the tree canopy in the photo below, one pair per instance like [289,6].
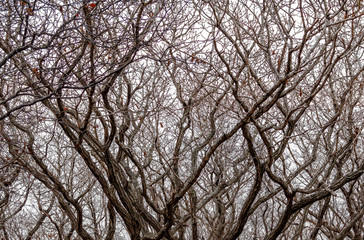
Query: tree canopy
[185,119]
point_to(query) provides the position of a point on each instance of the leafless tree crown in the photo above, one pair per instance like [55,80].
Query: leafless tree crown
[184,119]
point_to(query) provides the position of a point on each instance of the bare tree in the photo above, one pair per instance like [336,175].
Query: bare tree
[181,119]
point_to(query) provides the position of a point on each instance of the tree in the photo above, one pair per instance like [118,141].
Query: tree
[181,119]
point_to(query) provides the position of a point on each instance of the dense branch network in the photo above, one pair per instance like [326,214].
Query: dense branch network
[181,119]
